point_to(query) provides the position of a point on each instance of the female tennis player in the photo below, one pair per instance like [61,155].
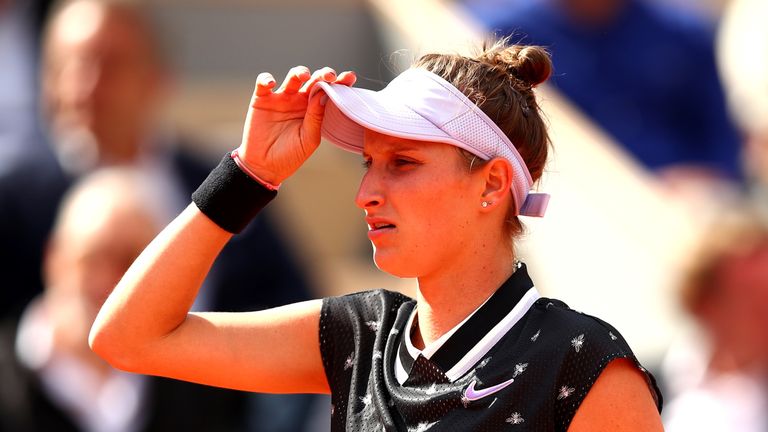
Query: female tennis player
[452,148]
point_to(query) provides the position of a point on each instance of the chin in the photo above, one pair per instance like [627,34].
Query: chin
[395,264]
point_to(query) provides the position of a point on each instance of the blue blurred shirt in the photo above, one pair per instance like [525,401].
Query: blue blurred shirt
[648,77]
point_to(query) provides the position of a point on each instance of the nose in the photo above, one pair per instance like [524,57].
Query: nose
[370,194]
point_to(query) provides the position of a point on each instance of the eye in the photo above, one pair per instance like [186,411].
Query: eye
[366,163]
[401,161]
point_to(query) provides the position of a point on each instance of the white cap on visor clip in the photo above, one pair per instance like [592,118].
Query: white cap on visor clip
[422,106]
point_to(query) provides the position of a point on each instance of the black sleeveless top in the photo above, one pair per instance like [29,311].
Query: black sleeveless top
[519,362]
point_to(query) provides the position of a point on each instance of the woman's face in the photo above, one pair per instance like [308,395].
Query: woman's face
[420,202]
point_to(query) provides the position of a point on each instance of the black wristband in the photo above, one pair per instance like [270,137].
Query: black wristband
[231,198]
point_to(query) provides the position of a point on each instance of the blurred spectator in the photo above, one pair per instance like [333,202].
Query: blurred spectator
[104,82]
[58,383]
[742,54]
[642,71]
[717,376]
[19,31]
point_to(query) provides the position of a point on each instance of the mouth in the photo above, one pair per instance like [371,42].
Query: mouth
[377,226]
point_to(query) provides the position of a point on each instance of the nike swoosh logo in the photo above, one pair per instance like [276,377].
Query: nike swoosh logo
[471,394]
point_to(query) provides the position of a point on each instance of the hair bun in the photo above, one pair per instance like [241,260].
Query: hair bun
[528,63]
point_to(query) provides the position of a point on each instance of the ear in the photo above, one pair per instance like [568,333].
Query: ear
[497,174]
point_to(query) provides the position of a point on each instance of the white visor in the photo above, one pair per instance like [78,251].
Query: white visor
[420,105]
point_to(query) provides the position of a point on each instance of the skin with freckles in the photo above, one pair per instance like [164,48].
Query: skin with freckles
[421,189]
[426,221]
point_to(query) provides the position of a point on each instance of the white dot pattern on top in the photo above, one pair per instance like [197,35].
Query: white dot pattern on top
[533,379]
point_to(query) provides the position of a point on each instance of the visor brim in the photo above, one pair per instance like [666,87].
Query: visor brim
[349,111]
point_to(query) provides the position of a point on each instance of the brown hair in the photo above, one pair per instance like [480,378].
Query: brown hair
[500,80]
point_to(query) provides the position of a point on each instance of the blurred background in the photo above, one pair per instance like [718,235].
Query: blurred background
[659,179]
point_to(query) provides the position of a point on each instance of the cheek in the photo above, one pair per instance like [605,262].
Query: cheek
[440,215]
[434,218]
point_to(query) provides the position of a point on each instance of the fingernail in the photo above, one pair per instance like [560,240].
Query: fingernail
[323,100]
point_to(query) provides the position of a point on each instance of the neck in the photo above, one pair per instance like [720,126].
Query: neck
[446,298]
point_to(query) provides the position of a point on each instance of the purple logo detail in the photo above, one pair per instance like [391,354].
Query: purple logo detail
[470,394]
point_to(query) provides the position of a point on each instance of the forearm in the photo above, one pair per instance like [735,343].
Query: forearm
[155,295]
[144,325]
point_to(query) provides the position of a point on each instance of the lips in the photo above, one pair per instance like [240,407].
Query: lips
[378,228]
[377,224]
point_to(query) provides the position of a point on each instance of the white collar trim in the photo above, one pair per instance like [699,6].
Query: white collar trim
[475,354]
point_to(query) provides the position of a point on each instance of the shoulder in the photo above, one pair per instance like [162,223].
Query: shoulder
[356,323]
[582,347]
[364,305]
[618,401]
[564,322]
[346,316]
[582,339]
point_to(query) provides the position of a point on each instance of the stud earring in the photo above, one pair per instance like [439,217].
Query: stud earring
[485,204]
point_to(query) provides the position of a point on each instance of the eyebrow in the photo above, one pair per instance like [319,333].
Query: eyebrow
[394,148]
[404,147]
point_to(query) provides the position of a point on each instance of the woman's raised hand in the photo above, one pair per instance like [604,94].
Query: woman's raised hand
[282,128]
